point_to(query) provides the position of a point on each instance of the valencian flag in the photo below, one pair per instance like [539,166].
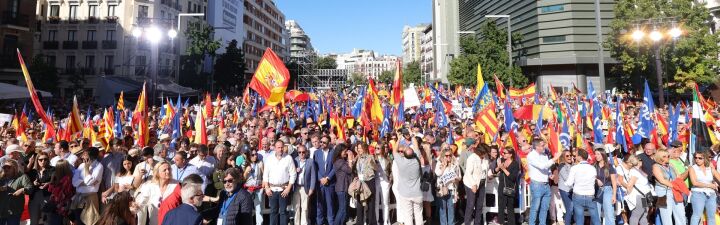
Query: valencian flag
[33,95]
[271,78]
[699,137]
[486,120]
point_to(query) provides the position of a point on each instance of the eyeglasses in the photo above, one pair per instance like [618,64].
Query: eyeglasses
[568,156]
[42,159]
[26,145]
[324,142]
[252,126]
[699,158]
[305,133]
[301,152]
[448,156]
[73,146]
[228,181]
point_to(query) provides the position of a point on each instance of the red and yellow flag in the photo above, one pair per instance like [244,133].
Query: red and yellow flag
[121,102]
[33,94]
[271,78]
[75,123]
[526,92]
[500,88]
[397,87]
[200,130]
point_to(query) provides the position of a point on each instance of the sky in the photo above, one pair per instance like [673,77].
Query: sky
[338,26]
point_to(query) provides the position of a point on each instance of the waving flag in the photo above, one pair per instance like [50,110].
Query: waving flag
[358,105]
[121,102]
[565,139]
[397,86]
[597,115]
[699,136]
[440,116]
[619,128]
[526,92]
[75,123]
[271,78]
[486,120]
[200,130]
[539,123]
[374,106]
[500,88]
[480,81]
[674,117]
[591,90]
[646,114]
[510,124]
[553,94]
[33,94]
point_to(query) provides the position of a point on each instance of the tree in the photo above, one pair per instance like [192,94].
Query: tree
[326,63]
[693,57]
[230,75]
[200,38]
[44,75]
[386,77]
[411,73]
[490,51]
[358,79]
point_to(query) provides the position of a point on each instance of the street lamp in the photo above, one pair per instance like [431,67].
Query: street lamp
[509,40]
[656,36]
[154,35]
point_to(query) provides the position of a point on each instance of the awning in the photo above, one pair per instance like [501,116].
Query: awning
[108,87]
[9,91]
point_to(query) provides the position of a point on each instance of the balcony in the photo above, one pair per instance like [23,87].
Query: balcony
[109,71]
[87,71]
[111,19]
[89,44]
[51,44]
[166,72]
[109,44]
[54,19]
[73,21]
[93,20]
[9,18]
[70,45]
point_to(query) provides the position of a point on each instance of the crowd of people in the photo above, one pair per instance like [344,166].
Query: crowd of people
[291,164]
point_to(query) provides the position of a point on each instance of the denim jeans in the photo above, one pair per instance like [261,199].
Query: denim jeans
[342,200]
[672,210]
[701,201]
[447,209]
[606,206]
[539,202]
[567,201]
[10,220]
[258,203]
[580,204]
[278,209]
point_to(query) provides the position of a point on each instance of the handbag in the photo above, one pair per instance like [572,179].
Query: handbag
[424,184]
[648,199]
[507,190]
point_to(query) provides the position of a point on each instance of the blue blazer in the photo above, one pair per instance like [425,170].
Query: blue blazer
[184,214]
[325,169]
[310,177]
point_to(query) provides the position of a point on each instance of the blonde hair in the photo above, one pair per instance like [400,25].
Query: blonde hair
[660,154]
[156,171]
[632,160]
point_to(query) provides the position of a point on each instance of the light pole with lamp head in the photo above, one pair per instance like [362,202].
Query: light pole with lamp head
[509,40]
[656,36]
[154,35]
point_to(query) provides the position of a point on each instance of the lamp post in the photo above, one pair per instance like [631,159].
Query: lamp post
[509,40]
[657,35]
[154,35]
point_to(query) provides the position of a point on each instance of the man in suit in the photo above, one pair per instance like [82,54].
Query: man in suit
[187,213]
[305,185]
[326,176]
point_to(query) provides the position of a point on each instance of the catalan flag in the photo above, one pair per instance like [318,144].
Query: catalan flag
[121,102]
[271,78]
[75,124]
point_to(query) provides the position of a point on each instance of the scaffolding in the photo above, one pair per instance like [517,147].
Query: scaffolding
[312,78]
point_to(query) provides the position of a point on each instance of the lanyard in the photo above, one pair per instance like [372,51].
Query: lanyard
[226,205]
[178,173]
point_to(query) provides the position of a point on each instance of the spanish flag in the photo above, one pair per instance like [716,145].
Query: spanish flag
[499,87]
[271,78]
[397,87]
[200,130]
[526,92]
[33,95]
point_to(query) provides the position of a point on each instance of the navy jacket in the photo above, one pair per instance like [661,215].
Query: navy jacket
[325,169]
[184,214]
[240,210]
[310,177]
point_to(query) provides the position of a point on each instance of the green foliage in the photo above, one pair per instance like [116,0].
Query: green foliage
[386,77]
[693,57]
[44,76]
[230,76]
[326,63]
[200,38]
[357,79]
[411,73]
[490,51]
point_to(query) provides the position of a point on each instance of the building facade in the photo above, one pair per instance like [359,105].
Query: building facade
[265,28]
[365,62]
[225,17]
[300,45]
[411,41]
[91,40]
[559,37]
[445,39]
[427,64]
[17,25]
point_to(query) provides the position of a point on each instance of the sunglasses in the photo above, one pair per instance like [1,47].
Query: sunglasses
[42,159]
[73,146]
[228,181]
[301,152]
[324,142]
[699,158]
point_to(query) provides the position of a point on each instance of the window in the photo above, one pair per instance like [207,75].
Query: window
[552,8]
[92,11]
[52,35]
[189,5]
[109,62]
[110,35]
[89,61]
[73,12]
[551,39]
[50,60]
[162,14]
[70,62]
[71,35]
[143,11]
[111,10]
[90,35]
[55,10]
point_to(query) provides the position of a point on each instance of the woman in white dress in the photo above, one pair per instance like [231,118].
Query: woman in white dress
[153,192]
[123,179]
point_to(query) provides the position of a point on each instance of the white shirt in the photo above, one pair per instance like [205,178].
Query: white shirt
[475,170]
[71,158]
[302,165]
[279,171]
[641,183]
[206,167]
[582,179]
[88,183]
[705,177]
[539,166]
